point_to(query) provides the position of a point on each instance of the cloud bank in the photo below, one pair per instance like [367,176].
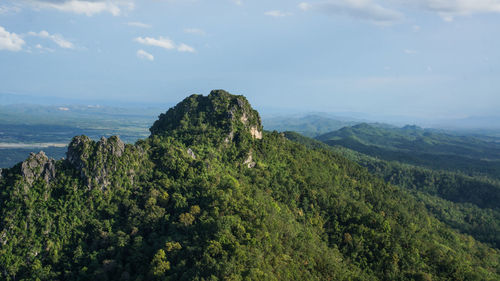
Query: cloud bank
[139,24]
[277,14]
[56,38]
[164,43]
[362,9]
[10,41]
[389,12]
[145,55]
[89,8]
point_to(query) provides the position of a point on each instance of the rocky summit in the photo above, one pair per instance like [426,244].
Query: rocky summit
[220,115]
[211,196]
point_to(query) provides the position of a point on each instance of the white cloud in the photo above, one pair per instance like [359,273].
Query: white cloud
[86,7]
[139,24]
[277,14]
[386,12]
[446,17]
[367,10]
[238,2]
[10,41]
[305,6]
[164,43]
[410,52]
[449,9]
[461,7]
[56,38]
[196,31]
[185,48]
[7,9]
[43,49]
[160,42]
[145,55]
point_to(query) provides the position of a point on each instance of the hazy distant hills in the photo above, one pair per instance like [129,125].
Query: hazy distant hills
[308,125]
[425,147]
[471,123]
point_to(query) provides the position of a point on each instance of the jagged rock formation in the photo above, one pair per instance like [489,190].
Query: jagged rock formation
[38,166]
[98,161]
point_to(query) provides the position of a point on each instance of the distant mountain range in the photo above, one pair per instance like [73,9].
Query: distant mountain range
[426,147]
[308,125]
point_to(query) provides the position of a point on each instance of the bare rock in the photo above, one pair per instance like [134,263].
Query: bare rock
[249,161]
[191,153]
[256,133]
[38,166]
[96,161]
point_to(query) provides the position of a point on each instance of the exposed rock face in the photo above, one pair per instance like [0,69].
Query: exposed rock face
[78,151]
[249,161]
[38,166]
[256,133]
[191,153]
[96,161]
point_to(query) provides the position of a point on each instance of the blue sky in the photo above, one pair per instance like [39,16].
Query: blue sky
[420,58]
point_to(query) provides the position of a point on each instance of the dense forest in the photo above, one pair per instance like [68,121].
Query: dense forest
[422,147]
[209,195]
[469,204]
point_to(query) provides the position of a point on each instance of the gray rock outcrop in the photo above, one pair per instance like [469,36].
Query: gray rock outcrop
[95,161]
[38,166]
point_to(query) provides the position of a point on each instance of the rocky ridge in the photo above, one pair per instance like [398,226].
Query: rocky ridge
[38,166]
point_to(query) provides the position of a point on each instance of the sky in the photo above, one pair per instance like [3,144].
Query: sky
[416,58]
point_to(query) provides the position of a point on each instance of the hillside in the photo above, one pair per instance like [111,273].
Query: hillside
[209,195]
[311,125]
[422,147]
[468,204]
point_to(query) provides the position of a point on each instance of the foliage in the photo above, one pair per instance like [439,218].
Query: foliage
[422,147]
[468,204]
[184,204]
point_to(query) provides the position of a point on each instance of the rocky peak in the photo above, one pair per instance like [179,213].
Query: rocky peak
[221,112]
[95,160]
[38,166]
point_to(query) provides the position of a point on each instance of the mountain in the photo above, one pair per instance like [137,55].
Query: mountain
[209,195]
[311,125]
[467,204]
[423,147]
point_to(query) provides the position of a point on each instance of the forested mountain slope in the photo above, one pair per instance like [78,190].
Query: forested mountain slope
[311,125]
[468,204]
[210,196]
[423,147]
